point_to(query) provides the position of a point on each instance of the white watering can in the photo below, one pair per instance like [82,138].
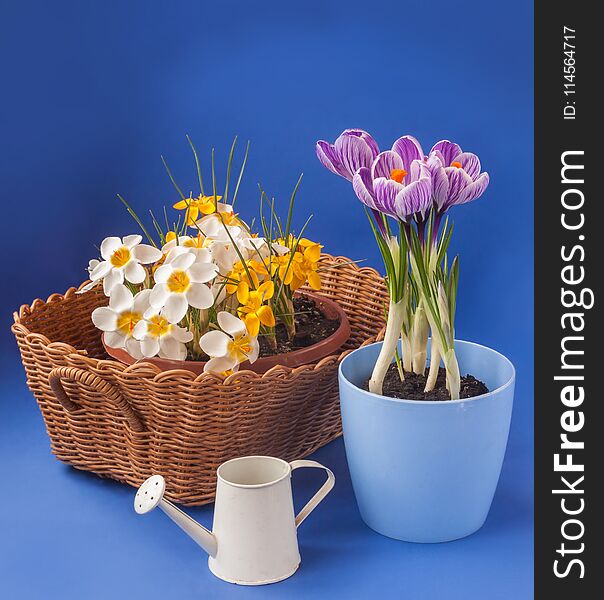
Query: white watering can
[254,540]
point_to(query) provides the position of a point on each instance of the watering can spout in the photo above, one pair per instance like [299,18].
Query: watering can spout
[150,495]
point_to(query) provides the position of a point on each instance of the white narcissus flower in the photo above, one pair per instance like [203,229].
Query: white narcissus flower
[224,255]
[198,245]
[158,336]
[181,283]
[119,319]
[123,259]
[215,226]
[230,347]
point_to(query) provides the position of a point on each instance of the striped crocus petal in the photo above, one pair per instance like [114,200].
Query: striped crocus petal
[470,163]
[448,150]
[385,163]
[474,190]
[458,181]
[327,156]
[440,181]
[386,192]
[362,184]
[420,188]
[353,149]
[366,137]
[409,149]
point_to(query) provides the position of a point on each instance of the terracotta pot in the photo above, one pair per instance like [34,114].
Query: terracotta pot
[303,356]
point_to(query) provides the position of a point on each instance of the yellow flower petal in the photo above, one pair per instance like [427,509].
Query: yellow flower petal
[182,204]
[255,282]
[170,236]
[296,283]
[314,280]
[207,208]
[243,292]
[192,215]
[313,253]
[266,316]
[252,323]
[266,290]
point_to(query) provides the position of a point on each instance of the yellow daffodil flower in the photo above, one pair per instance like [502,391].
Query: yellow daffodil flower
[305,267]
[250,277]
[281,265]
[206,205]
[253,311]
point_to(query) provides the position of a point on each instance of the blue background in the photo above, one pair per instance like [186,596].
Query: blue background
[93,93]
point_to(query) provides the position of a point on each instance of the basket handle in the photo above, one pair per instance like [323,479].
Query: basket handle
[95,382]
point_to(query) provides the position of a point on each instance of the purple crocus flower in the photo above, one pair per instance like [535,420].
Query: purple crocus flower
[398,183]
[353,149]
[455,174]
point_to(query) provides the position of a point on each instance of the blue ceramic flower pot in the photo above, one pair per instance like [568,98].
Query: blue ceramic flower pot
[426,471]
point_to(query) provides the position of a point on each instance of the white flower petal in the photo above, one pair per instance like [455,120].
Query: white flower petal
[114,339]
[230,323]
[104,318]
[181,334]
[177,251]
[100,270]
[159,294]
[113,278]
[140,330]
[202,255]
[133,347]
[121,298]
[172,349]
[134,272]
[183,261]
[168,246]
[141,301]
[253,355]
[162,274]
[215,343]
[132,240]
[219,364]
[202,272]
[151,312]
[88,287]
[109,246]
[199,295]
[219,293]
[175,308]
[146,254]
[279,249]
[149,347]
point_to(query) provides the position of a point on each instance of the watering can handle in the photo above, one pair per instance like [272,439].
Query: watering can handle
[323,490]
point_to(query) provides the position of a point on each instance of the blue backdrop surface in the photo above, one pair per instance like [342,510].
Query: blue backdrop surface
[93,93]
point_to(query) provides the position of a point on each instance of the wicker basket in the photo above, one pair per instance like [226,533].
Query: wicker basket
[129,422]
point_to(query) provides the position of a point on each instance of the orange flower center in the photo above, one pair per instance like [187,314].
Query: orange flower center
[158,326]
[178,282]
[127,321]
[229,217]
[121,257]
[398,175]
[240,347]
[456,164]
[197,242]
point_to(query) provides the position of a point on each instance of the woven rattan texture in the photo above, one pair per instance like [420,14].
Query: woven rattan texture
[129,422]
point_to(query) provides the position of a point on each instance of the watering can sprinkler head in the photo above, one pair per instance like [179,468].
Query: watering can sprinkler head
[151,495]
